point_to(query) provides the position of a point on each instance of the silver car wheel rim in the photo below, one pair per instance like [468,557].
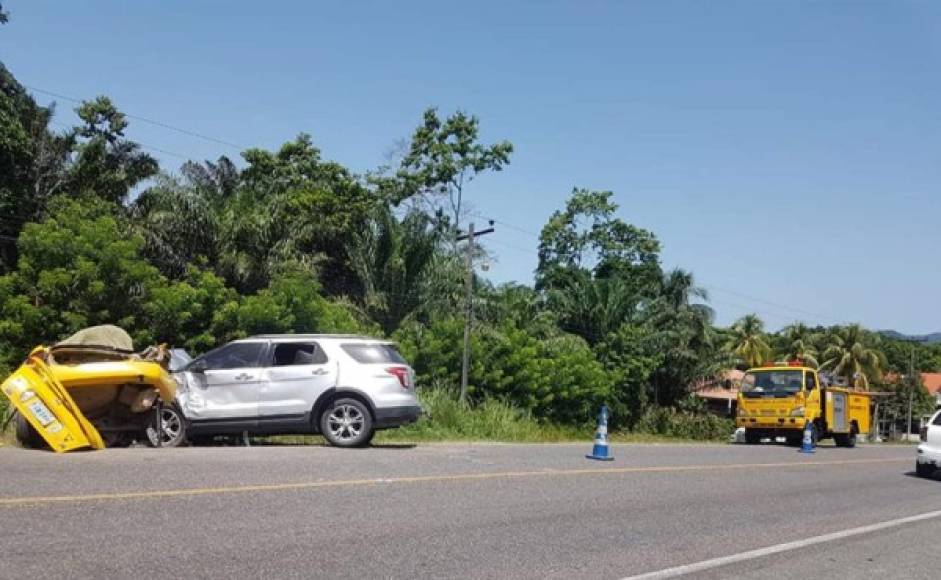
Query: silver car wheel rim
[345,423]
[170,427]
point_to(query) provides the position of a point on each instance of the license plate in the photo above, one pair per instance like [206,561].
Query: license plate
[41,412]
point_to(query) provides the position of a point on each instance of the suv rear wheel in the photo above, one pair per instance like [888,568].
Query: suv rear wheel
[346,423]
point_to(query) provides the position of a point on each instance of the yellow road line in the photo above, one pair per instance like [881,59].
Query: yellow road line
[155,494]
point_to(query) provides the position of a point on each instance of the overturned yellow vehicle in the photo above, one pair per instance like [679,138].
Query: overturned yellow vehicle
[92,391]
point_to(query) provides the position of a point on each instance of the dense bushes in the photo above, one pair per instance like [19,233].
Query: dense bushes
[668,421]
[557,379]
[83,266]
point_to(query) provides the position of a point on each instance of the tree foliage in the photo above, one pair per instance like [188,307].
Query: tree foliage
[444,155]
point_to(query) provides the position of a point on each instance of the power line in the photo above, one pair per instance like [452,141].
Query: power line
[144,145]
[147,120]
[768,302]
[506,225]
[764,312]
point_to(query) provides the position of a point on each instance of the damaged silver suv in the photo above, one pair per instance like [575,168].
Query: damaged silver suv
[342,387]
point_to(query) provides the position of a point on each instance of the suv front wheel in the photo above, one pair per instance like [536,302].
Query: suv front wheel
[346,423]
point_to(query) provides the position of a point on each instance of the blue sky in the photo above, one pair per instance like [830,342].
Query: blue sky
[787,153]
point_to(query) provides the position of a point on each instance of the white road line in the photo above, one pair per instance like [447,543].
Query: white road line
[779,548]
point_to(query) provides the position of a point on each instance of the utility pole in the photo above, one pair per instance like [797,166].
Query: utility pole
[469,303]
[911,393]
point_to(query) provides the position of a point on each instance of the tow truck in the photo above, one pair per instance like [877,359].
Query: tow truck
[782,399]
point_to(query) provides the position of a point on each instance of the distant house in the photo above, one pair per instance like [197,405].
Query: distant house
[720,393]
[932,382]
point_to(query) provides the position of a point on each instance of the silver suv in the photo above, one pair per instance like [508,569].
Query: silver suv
[343,387]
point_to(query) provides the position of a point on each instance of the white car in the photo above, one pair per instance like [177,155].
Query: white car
[342,387]
[928,460]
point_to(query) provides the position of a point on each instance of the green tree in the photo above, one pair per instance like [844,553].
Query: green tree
[32,163]
[180,218]
[798,343]
[748,342]
[587,236]
[107,164]
[557,379]
[519,305]
[683,335]
[400,265]
[77,268]
[854,354]
[443,157]
[631,357]
[593,308]
[292,207]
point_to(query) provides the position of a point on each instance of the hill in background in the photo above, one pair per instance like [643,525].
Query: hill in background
[932,338]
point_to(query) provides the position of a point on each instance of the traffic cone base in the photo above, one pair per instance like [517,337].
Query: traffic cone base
[807,443]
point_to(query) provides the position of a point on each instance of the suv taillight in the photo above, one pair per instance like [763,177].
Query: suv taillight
[923,433]
[400,373]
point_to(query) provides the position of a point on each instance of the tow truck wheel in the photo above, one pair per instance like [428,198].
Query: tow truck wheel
[172,428]
[752,437]
[848,440]
[25,434]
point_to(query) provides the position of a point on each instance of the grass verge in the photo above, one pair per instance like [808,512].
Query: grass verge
[449,420]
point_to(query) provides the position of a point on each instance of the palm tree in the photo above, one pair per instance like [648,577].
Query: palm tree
[683,334]
[747,340]
[853,354]
[180,218]
[593,307]
[799,340]
[520,305]
[401,267]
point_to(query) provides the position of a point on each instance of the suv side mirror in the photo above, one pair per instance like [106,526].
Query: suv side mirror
[197,366]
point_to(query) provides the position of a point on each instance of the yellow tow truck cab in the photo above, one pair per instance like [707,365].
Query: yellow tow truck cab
[779,400]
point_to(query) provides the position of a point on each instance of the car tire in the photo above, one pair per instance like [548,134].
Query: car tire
[25,434]
[346,423]
[924,469]
[173,428]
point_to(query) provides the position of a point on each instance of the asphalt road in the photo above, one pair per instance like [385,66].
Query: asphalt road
[464,511]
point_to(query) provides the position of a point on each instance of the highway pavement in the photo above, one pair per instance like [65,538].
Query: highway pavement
[468,511]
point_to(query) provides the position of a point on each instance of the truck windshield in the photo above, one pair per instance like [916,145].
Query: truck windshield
[772,383]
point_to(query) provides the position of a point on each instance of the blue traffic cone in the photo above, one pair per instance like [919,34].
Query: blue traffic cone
[807,443]
[600,450]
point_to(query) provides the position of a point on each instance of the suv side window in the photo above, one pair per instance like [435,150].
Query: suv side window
[234,356]
[298,353]
[810,381]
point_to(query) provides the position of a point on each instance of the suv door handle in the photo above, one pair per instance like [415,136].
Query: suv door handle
[318,372]
[242,377]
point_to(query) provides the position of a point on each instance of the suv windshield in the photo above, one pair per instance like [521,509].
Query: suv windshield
[779,383]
